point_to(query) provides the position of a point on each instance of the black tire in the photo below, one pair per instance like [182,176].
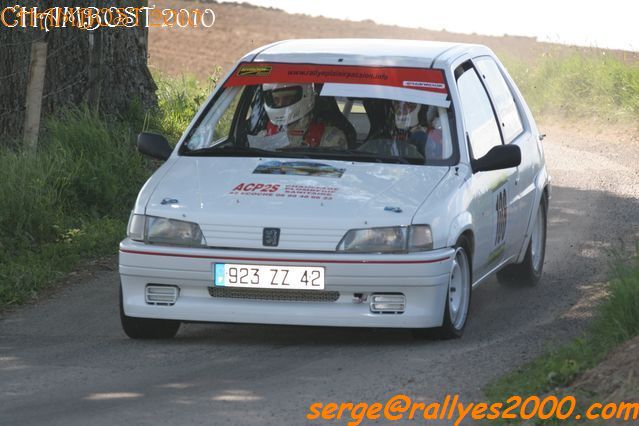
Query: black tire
[528,273]
[451,329]
[145,328]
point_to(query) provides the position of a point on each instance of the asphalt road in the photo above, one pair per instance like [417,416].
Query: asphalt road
[65,361]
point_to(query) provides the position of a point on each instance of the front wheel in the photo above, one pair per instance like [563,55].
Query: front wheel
[147,328]
[457,298]
[528,273]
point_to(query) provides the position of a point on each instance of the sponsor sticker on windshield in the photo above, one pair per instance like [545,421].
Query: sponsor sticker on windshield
[299,168]
[424,84]
[254,70]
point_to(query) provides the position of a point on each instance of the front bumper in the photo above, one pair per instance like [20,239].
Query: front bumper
[422,277]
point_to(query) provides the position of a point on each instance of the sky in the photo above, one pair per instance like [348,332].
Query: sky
[608,24]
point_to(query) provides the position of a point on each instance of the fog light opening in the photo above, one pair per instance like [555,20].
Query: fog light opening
[388,303]
[161,295]
[359,298]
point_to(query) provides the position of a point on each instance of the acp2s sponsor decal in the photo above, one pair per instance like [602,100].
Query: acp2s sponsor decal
[256,187]
[287,191]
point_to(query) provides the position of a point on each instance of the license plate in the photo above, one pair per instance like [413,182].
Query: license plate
[269,276]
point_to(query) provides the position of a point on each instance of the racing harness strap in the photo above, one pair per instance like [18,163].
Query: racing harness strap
[314,134]
[272,129]
[312,137]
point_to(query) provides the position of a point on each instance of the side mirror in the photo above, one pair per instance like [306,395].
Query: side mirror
[499,157]
[154,146]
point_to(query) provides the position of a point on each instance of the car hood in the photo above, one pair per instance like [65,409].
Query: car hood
[313,202]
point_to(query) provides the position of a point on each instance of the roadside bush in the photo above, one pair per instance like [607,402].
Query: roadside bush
[66,202]
[86,167]
[32,203]
[97,170]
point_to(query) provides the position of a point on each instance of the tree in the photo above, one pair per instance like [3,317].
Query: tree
[104,67]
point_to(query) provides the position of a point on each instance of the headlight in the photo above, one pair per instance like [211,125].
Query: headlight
[420,238]
[396,239]
[159,230]
[135,230]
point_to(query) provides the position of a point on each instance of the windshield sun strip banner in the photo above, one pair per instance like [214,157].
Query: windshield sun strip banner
[253,73]
[385,92]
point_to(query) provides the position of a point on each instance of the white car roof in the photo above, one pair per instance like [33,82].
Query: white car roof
[381,52]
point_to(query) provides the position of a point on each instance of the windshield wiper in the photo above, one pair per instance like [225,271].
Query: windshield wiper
[297,152]
[348,154]
[233,151]
[224,151]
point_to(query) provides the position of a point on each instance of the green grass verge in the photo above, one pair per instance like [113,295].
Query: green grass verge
[28,270]
[69,200]
[616,320]
[579,86]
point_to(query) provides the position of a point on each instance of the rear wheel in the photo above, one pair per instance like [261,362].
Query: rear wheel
[528,273]
[457,299]
[146,328]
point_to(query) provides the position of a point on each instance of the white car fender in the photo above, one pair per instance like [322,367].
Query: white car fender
[441,206]
[542,181]
[151,184]
[460,224]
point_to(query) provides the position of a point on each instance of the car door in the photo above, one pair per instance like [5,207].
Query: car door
[490,191]
[521,189]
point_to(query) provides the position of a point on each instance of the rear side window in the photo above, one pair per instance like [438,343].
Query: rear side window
[502,97]
[478,114]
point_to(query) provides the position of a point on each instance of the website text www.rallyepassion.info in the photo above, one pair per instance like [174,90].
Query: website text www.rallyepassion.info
[401,408]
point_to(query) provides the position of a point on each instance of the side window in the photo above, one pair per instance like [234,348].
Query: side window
[478,114]
[502,98]
[216,124]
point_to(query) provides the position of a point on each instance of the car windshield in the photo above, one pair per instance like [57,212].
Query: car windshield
[323,120]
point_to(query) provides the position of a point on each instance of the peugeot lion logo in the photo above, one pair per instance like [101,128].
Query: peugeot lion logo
[271,237]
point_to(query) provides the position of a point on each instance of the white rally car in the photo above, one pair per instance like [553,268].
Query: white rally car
[365,183]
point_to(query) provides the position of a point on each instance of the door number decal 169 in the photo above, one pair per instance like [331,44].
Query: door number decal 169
[501,205]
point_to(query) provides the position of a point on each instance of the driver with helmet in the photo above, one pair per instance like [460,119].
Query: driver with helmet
[427,138]
[290,107]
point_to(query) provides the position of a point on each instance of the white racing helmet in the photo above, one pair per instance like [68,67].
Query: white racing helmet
[285,103]
[406,114]
[432,118]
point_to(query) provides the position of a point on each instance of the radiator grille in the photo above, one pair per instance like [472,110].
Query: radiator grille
[274,295]
[250,237]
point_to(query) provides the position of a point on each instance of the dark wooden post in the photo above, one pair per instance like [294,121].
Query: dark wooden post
[35,87]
